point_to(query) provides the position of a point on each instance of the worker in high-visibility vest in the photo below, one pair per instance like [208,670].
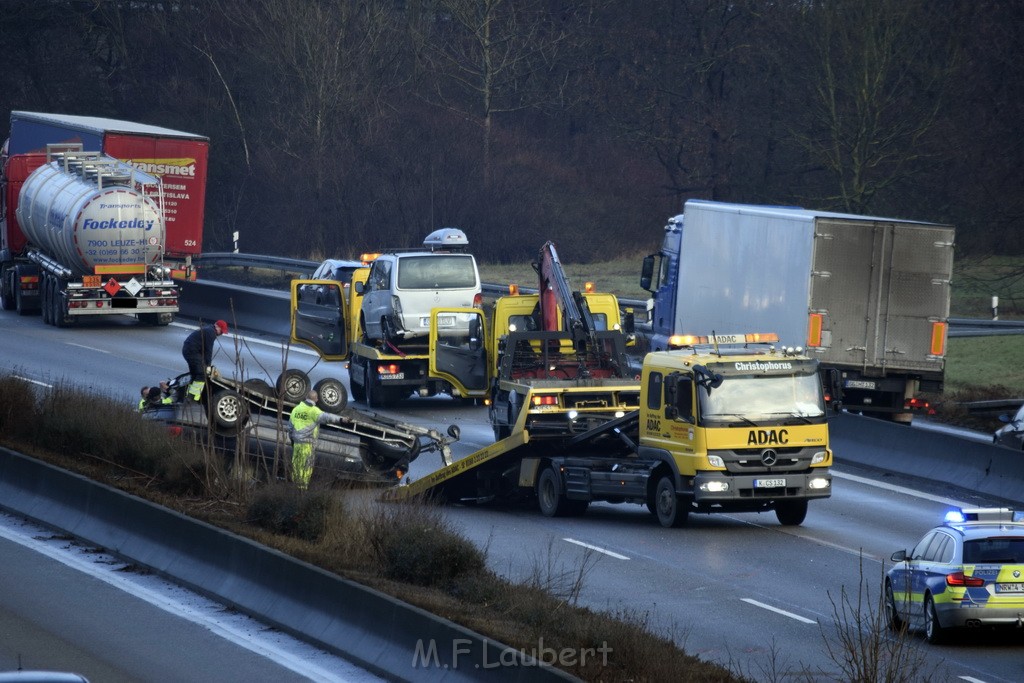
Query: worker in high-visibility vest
[305,420]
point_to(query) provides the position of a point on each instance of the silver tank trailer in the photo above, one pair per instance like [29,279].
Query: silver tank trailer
[83,222]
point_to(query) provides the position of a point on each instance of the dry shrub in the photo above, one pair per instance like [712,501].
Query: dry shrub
[18,408]
[285,510]
[414,543]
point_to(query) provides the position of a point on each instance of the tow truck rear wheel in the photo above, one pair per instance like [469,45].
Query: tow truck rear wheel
[293,385]
[791,512]
[358,392]
[332,395]
[552,502]
[667,509]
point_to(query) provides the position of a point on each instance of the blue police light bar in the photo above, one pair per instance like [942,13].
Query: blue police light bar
[958,516]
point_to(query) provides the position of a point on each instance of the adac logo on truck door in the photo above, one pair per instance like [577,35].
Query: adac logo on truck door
[166,167]
[767,437]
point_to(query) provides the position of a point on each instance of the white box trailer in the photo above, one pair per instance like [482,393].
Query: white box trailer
[868,296]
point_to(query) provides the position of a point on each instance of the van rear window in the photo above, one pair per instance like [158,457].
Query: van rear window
[449,271]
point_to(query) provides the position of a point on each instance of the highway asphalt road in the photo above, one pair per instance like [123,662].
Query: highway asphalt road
[738,589]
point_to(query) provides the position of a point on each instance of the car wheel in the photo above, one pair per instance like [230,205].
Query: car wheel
[892,615]
[667,509]
[791,512]
[293,385]
[229,411]
[933,631]
[332,396]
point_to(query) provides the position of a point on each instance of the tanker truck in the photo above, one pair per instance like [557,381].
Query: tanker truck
[178,158]
[85,237]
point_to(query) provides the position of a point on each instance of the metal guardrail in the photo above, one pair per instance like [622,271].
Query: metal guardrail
[959,327]
[233,259]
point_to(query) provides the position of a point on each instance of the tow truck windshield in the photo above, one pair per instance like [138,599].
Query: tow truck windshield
[760,398]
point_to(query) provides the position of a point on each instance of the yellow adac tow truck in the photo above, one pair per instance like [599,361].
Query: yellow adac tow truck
[727,423]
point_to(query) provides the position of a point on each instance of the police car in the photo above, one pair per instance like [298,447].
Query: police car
[967,573]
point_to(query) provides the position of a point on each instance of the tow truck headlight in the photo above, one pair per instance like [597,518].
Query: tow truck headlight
[715,486]
[716,461]
[818,483]
[819,457]
[573,414]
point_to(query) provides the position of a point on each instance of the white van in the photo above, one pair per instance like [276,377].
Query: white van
[403,287]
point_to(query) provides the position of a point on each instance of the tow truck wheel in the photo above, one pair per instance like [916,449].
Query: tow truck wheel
[548,498]
[791,512]
[229,411]
[293,385]
[358,392]
[667,509]
[332,396]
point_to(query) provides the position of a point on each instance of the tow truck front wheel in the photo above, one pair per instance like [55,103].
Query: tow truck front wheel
[667,509]
[791,512]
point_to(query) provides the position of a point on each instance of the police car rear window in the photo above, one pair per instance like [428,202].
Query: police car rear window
[994,551]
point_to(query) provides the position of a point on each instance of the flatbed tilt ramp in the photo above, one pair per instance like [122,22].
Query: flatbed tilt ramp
[506,470]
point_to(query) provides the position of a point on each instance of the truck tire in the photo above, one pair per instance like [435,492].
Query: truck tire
[229,411]
[552,502]
[46,298]
[293,385]
[150,319]
[7,290]
[21,304]
[667,509]
[358,392]
[791,512]
[332,395]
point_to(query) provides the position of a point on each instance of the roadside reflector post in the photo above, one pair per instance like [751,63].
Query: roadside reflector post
[995,308]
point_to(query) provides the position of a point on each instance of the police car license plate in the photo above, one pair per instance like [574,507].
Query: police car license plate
[859,384]
[1010,587]
[769,483]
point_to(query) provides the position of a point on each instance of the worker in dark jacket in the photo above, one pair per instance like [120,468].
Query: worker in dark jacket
[305,420]
[198,352]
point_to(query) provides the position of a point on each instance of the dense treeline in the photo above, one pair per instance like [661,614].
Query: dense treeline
[342,125]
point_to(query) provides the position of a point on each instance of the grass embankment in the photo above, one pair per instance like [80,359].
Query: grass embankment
[409,551]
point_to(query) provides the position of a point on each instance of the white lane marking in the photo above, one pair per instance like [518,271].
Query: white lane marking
[87,348]
[783,612]
[971,679]
[596,548]
[235,634]
[900,489]
[33,381]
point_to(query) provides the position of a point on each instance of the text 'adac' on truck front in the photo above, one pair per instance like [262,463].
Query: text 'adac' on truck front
[727,424]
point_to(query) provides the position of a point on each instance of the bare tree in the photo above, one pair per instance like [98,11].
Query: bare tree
[878,73]
[489,57]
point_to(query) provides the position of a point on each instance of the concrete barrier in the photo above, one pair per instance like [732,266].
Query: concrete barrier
[982,468]
[378,632]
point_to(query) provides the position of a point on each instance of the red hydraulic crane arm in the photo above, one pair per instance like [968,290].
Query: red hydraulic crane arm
[556,295]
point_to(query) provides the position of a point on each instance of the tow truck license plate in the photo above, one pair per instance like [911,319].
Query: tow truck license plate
[859,384]
[1010,587]
[396,375]
[769,483]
